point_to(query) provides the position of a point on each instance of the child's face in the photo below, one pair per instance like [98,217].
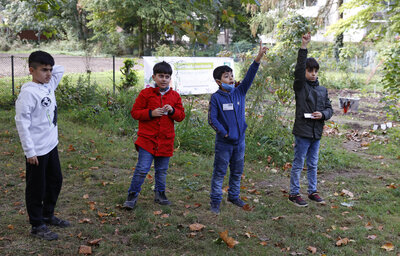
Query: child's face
[41,74]
[226,78]
[162,80]
[311,75]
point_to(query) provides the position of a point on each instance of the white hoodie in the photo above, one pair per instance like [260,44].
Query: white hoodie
[36,115]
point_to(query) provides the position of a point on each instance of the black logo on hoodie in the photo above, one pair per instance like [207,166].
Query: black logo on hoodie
[46,102]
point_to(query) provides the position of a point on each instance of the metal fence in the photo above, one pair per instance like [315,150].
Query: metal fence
[15,67]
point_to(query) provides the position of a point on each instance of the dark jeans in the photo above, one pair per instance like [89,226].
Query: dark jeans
[43,185]
[143,165]
[232,155]
[304,149]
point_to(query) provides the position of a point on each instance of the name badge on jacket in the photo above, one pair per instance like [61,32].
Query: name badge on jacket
[227,106]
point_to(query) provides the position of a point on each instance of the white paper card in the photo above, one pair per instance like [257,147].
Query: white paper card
[307,115]
[227,106]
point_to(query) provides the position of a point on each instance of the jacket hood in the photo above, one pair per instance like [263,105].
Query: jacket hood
[313,83]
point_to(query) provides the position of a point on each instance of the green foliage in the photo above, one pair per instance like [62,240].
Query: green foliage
[129,75]
[291,29]
[171,50]
[390,80]
[74,96]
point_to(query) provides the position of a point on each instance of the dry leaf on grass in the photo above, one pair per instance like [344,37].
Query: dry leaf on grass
[248,208]
[165,216]
[10,227]
[92,205]
[312,249]
[84,249]
[196,227]
[347,193]
[319,217]
[369,226]
[342,241]
[278,218]
[228,240]
[102,214]
[157,212]
[263,243]
[197,205]
[388,247]
[85,220]
[85,196]
[371,237]
[95,241]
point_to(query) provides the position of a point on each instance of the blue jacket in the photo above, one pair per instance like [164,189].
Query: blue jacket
[226,113]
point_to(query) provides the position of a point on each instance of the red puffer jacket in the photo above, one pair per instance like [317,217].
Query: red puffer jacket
[156,134]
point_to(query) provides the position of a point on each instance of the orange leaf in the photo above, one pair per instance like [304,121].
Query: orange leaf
[388,247]
[84,249]
[85,220]
[225,189]
[71,148]
[85,196]
[196,227]
[371,237]
[93,168]
[369,226]
[312,249]
[10,227]
[197,205]
[278,218]
[164,216]
[263,243]
[248,208]
[157,212]
[319,217]
[228,240]
[95,241]
[244,198]
[91,205]
[102,214]
[343,241]
[187,206]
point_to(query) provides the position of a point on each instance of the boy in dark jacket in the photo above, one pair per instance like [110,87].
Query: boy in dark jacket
[156,108]
[313,107]
[226,115]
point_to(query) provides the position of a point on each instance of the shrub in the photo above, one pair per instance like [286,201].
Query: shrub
[129,75]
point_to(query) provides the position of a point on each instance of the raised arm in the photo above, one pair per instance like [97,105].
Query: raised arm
[251,73]
[300,70]
[56,76]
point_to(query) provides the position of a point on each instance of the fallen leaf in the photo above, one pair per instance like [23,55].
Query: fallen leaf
[334,206]
[319,217]
[225,189]
[393,186]
[156,237]
[85,196]
[91,205]
[93,168]
[196,227]
[164,216]
[278,218]
[71,148]
[192,234]
[380,228]
[228,240]
[343,228]
[312,249]
[197,205]
[388,247]
[85,220]
[379,157]
[371,237]
[157,212]
[347,193]
[369,226]
[343,241]
[244,198]
[95,241]
[84,249]
[263,243]
[187,206]
[248,208]
[102,214]
[10,227]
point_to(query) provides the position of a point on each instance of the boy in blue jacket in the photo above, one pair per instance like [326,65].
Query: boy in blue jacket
[226,115]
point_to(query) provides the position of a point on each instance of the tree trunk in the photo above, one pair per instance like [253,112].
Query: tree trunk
[339,38]
[141,42]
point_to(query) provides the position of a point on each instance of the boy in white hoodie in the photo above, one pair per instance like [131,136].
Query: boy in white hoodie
[36,121]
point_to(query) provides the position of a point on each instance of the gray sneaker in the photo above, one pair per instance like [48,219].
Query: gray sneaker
[236,201]
[130,202]
[54,221]
[161,198]
[43,232]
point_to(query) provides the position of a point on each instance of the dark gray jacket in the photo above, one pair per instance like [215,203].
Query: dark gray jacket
[310,97]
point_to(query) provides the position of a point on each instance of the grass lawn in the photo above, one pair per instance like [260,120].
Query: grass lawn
[98,166]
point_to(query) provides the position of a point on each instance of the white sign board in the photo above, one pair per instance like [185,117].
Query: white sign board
[190,75]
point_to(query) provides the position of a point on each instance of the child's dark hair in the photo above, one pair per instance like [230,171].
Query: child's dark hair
[218,71]
[312,64]
[162,68]
[40,58]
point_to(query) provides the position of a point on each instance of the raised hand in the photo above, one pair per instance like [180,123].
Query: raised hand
[261,52]
[305,39]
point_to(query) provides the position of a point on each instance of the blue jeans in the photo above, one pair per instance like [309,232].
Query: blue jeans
[234,156]
[304,148]
[143,165]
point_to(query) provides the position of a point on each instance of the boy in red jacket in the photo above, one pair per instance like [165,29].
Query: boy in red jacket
[156,108]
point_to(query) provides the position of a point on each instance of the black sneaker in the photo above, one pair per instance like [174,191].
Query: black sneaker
[214,207]
[54,221]
[237,202]
[297,200]
[316,198]
[43,232]
[130,202]
[161,198]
